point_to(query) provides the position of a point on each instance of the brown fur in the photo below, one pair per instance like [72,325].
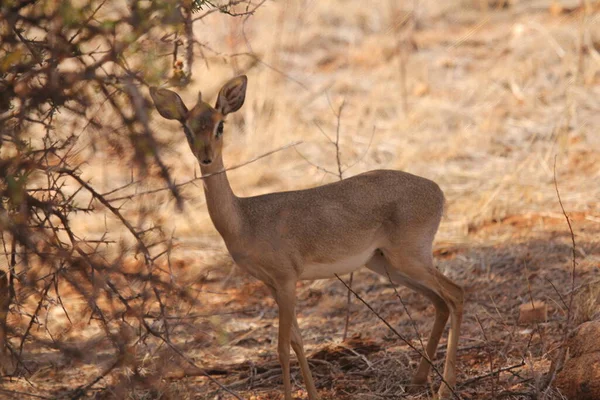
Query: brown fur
[387,219]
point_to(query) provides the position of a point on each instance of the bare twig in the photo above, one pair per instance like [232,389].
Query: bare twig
[189,42]
[115,211]
[199,178]
[337,140]
[491,374]
[34,316]
[19,395]
[560,358]
[406,310]
[402,338]
[224,8]
[142,115]
[348,302]
[189,361]
[490,356]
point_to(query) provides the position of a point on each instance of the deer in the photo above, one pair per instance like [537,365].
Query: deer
[385,220]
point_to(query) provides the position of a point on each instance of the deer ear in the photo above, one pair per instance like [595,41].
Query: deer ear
[232,95]
[168,104]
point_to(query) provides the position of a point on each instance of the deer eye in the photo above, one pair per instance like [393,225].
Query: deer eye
[219,129]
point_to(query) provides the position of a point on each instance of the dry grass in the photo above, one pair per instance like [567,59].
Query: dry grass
[494,97]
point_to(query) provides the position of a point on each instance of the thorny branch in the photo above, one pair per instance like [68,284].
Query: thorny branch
[49,139]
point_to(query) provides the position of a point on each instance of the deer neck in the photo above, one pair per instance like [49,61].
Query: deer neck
[223,204]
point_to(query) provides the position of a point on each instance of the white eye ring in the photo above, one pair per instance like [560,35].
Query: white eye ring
[219,129]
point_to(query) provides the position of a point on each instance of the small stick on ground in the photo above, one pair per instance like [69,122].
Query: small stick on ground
[492,373]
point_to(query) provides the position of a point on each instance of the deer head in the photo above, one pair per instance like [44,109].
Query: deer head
[203,124]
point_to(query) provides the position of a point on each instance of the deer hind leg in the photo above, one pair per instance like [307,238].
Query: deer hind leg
[419,274]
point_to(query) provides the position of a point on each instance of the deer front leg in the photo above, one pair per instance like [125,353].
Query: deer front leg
[298,347]
[285,296]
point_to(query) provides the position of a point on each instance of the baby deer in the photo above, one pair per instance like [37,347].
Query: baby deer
[384,220]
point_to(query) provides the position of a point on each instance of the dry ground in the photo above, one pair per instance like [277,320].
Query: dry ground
[494,100]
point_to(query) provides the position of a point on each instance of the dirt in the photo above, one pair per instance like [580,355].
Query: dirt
[502,110]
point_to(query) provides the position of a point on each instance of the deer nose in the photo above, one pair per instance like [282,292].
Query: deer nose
[206,161]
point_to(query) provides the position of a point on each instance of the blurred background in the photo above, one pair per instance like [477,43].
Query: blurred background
[117,285]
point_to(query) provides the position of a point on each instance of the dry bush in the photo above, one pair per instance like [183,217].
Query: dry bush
[73,77]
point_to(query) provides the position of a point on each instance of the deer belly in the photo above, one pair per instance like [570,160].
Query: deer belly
[341,266]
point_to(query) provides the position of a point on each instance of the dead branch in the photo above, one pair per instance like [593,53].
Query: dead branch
[402,338]
[495,373]
[558,362]
[199,178]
